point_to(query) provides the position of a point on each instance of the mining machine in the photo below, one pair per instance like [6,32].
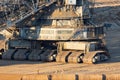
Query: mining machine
[58,30]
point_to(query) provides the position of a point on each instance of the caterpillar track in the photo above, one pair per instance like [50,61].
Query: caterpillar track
[81,54]
[26,54]
[70,57]
[77,57]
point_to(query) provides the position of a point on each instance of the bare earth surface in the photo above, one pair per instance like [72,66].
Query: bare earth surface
[104,13]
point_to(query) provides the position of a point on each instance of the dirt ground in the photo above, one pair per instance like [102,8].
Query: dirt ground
[106,11]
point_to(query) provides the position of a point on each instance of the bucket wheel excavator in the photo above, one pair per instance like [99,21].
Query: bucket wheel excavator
[58,30]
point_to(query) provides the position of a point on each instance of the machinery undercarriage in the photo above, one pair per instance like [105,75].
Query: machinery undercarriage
[59,51]
[62,31]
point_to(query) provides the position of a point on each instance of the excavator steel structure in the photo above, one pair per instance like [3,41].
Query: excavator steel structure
[55,30]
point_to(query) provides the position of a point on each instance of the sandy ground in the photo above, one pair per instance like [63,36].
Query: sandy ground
[105,13]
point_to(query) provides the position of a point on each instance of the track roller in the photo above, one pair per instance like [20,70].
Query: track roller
[35,55]
[48,55]
[94,57]
[8,54]
[75,57]
[63,56]
[21,54]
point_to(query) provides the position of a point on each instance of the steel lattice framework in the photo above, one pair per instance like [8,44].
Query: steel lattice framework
[14,11]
